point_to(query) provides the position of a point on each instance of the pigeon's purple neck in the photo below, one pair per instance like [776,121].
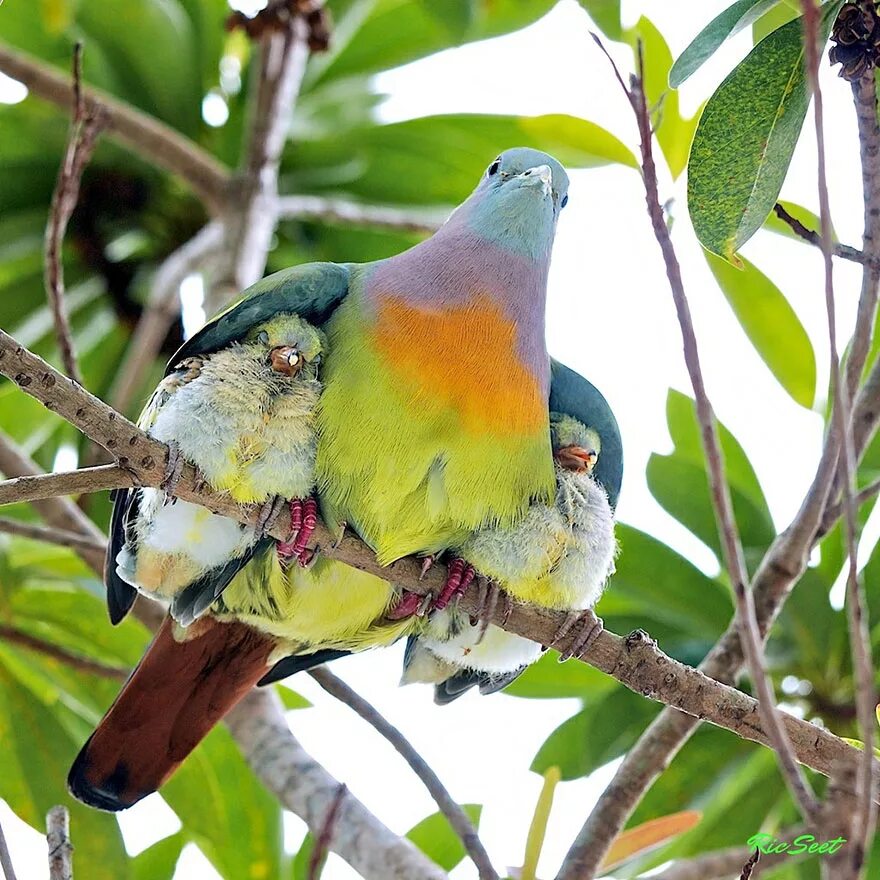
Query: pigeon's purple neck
[456,266]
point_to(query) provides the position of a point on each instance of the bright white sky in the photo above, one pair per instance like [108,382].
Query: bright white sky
[611,318]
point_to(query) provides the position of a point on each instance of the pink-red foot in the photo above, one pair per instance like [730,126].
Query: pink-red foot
[458,578]
[587,628]
[303,520]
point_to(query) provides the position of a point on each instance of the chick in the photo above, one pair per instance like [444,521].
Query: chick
[245,417]
[558,556]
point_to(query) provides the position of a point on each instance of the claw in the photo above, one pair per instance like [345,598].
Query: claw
[408,605]
[309,523]
[173,469]
[458,579]
[427,564]
[588,626]
[269,513]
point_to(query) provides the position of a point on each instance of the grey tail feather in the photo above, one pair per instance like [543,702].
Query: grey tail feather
[488,683]
[120,595]
[196,598]
[300,663]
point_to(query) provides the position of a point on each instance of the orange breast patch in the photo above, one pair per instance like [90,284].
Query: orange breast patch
[463,358]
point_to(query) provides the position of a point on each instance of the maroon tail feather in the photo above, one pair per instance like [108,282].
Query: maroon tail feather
[177,693]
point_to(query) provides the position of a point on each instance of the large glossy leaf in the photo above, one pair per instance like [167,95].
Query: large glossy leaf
[37,753]
[436,839]
[550,679]
[746,137]
[727,23]
[773,19]
[596,735]
[157,862]
[606,15]
[405,162]
[379,34]
[224,808]
[771,324]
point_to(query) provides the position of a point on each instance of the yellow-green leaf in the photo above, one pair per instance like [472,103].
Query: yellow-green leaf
[771,325]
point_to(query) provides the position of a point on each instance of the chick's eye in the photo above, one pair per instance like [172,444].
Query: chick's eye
[494,167]
[564,201]
[293,358]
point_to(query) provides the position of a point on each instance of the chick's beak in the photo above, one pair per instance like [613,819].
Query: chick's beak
[285,359]
[577,459]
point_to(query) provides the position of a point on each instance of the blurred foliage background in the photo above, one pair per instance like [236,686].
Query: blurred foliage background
[131,216]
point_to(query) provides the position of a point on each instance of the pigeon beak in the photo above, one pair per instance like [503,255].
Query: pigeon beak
[577,459]
[540,175]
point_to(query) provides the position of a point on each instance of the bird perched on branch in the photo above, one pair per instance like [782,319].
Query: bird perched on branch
[557,556]
[433,422]
[245,415]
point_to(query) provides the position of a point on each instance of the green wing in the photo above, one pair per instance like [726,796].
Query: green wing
[311,291]
[572,394]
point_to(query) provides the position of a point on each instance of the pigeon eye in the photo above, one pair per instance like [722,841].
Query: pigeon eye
[564,201]
[493,168]
[293,358]
[263,337]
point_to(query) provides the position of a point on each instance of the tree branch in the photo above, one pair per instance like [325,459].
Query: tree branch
[307,789]
[635,661]
[844,251]
[140,132]
[458,819]
[163,308]
[377,216]
[864,816]
[726,863]
[5,858]
[60,847]
[50,535]
[84,130]
[44,486]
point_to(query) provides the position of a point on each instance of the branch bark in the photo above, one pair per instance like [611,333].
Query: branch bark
[844,251]
[60,847]
[725,864]
[49,535]
[307,789]
[5,858]
[458,819]
[141,133]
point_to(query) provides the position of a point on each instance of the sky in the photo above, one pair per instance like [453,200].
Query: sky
[610,317]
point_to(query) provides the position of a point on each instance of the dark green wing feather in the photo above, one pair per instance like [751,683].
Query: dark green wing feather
[311,291]
[573,395]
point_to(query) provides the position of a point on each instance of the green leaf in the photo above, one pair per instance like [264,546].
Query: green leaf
[550,679]
[746,137]
[596,735]
[773,19]
[771,324]
[436,839]
[299,868]
[290,699]
[724,25]
[673,131]
[37,753]
[401,163]
[804,215]
[226,810]
[455,15]
[158,861]
[606,16]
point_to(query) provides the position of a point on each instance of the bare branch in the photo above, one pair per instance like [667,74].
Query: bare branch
[724,864]
[60,847]
[44,486]
[5,858]
[75,661]
[860,645]
[635,661]
[844,251]
[163,308]
[84,130]
[307,789]
[140,132]
[458,819]
[377,216]
[49,535]
[322,843]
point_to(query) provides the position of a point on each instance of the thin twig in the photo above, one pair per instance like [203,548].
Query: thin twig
[60,847]
[860,645]
[50,535]
[458,819]
[85,127]
[844,251]
[749,866]
[5,858]
[376,216]
[140,132]
[325,838]
[83,481]
[835,511]
[724,864]
[163,309]
[76,661]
